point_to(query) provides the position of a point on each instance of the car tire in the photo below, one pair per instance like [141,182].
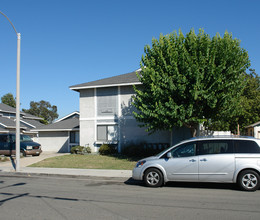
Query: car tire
[23,153]
[248,180]
[153,178]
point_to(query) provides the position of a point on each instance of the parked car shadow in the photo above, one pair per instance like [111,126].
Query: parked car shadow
[195,185]
[202,185]
[131,181]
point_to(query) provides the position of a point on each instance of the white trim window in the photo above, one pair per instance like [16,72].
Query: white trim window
[74,137]
[107,133]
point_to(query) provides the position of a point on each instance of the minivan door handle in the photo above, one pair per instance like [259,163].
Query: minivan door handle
[192,160]
[204,159]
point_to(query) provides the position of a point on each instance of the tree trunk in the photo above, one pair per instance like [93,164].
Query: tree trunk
[193,132]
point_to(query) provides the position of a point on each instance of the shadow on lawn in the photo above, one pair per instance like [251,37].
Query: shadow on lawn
[124,157]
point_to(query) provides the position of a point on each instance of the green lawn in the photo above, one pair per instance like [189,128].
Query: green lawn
[90,161]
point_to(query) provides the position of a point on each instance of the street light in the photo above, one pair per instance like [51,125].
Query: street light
[17,145]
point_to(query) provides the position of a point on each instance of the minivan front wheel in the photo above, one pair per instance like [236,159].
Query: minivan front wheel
[153,178]
[248,180]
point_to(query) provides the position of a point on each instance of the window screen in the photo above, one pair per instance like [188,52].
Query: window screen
[107,101]
[107,132]
[102,133]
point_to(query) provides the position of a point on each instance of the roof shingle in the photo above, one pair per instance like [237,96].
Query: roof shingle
[124,79]
[65,125]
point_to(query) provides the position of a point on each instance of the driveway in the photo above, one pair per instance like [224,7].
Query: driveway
[26,161]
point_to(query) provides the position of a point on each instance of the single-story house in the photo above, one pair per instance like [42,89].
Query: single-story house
[106,115]
[253,130]
[59,136]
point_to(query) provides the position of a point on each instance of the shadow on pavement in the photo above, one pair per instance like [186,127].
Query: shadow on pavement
[195,185]
[13,162]
[131,181]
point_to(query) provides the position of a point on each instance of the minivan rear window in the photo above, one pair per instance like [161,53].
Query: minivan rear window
[244,146]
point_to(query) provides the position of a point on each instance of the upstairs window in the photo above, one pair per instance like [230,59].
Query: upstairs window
[107,104]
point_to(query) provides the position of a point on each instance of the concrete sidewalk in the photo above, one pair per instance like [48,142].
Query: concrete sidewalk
[7,168]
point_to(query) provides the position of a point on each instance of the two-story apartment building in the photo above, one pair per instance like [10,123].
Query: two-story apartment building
[106,114]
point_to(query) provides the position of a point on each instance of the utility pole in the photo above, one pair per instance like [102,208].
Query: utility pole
[17,141]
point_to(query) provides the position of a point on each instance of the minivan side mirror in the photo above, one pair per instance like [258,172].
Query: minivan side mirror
[169,155]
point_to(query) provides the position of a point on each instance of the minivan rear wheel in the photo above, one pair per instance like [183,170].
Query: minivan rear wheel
[153,178]
[248,180]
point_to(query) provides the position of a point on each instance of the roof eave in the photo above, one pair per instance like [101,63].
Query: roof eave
[78,88]
[58,129]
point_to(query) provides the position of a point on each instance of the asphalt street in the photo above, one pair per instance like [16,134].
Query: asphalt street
[97,198]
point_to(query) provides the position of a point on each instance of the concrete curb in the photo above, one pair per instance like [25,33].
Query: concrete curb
[66,172]
[13,174]
[106,180]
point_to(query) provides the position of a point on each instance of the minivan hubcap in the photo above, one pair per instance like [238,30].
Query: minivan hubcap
[249,181]
[153,178]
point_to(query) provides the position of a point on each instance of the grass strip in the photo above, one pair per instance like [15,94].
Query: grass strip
[89,161]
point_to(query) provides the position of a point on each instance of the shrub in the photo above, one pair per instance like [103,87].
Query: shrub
[80,150]
[76,149]
[107,149]
[88,150]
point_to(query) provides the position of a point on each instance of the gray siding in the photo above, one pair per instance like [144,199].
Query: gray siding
[126,94]
[87,133]
[130,132]
[87,105]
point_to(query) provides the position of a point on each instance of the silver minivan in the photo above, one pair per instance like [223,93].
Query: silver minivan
[225,159]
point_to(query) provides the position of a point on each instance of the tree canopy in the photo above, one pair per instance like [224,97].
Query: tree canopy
[44,110]
[187,80]
[9,99]
[249,112]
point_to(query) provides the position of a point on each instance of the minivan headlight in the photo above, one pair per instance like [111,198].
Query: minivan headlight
[140,163]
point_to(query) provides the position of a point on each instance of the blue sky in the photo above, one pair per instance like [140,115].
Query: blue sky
[68,42]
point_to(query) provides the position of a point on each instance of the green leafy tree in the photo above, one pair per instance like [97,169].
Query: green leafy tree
[187,80]
[44,110]
[9,99]
[250,101]
[249,111]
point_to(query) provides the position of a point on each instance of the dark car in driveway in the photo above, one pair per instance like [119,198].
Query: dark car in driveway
[27,145]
